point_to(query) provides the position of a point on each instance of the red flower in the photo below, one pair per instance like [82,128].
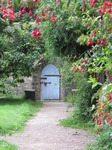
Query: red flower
[29,6]
[53,18]
[108,29]
[97,78]
[88,25]
[90,42]
[38,33]
[98,42]
[94,32]
[30,12]
[36,1]
[9,4]
[24,10]
[108,119]
[56,1]
[101,41]
[35,33]
[109,96]
[2,8]
[111,76]
[37,19]
[101,10]
[20,13]
[105,42]
[93,2]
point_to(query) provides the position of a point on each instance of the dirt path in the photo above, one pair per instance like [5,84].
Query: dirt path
[44,133]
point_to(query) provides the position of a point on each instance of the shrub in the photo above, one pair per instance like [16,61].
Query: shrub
[104,141]
[82,98]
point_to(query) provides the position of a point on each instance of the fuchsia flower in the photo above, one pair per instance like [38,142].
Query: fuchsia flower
[108,29]
[36,1]
[56,1]
[97,78]
[36,33]
[90,42]
[53,18]
[109,96]
[93,2]
[30,12]
[29,6]
[98,42]
[37,19]
[24,10]
[108,119]
[20,13]
[2,8]
[11,13]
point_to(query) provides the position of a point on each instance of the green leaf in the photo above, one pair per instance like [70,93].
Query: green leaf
[17,3]
[97,83]
[109,87]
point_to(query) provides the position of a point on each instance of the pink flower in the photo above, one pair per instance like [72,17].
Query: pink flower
[97,78]
[108,29]
[98,42]
[30,12]
[56,1]
[24,10]
[108,119]
[36,33]
[93,2]
[53,18]
[20,13]
[90,42]
[109,96]
[29,6]
[37,19]
[2,8]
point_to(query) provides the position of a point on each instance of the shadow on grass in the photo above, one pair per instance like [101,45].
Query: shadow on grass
[14,101]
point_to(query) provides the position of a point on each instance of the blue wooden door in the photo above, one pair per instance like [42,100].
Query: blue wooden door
[50,83]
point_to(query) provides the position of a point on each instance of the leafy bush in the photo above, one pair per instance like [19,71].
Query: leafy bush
[104,141]
[75,121]
[83,95]
[103,114]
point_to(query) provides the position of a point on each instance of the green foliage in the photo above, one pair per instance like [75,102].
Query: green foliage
[75,121]
[67,77]
[18,52]
[15,112]
[82,97]
[7,146]
[104,141]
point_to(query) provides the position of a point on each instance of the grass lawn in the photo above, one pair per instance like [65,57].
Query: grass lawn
[7,146]
[14,113]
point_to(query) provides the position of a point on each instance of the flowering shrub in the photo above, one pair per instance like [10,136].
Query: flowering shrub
[103,115]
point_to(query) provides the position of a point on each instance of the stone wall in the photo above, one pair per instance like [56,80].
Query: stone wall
[27,84]
[36,78]
[34,81]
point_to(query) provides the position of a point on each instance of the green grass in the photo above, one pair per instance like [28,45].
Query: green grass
[104,140]
[14,113]
[7,146]
[75,121]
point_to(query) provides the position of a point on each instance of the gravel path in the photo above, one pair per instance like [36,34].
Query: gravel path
[43,132]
